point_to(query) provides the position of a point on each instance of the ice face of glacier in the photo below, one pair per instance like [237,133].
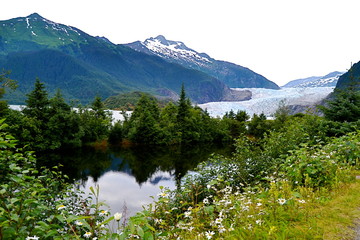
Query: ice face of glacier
[267,100]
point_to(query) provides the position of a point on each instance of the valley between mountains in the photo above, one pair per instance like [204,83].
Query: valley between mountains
[83,66]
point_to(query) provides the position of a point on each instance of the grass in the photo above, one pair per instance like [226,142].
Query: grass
[339,217]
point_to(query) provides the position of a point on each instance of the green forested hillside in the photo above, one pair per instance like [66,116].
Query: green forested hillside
[83,66]
[350,78]
[128,101]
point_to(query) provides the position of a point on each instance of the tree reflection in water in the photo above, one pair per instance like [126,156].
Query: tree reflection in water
[146,165]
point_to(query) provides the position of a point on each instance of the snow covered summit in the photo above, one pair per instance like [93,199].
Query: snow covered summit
[172,50]
[231,74]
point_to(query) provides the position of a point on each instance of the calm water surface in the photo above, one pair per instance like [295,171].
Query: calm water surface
[128,177]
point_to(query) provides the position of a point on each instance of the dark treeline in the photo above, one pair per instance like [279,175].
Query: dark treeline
[51,123]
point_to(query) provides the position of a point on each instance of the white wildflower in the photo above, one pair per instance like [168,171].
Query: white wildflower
[218,220]
[32,238]
[103,213]
[78,223]
[281,201]
[61,207]
[221,229]
[117,216]
[259,221]
[87,234]
[209,234]
[158,221]
[163,194]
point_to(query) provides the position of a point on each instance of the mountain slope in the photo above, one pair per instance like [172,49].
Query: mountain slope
[177,52]
[83,66]
[350,78]
[329,80]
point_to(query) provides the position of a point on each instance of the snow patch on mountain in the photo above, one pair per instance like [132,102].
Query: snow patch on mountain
[267,100]
[27,22]
[174,50]
[328,80]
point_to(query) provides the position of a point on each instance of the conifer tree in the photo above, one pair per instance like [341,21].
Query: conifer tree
[36,117]
[184,107]
[242,116]
[37,102]
[183,116]
[344,104]
[344,107]
[98,107]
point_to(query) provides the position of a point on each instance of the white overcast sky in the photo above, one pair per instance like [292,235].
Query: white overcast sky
[280,39]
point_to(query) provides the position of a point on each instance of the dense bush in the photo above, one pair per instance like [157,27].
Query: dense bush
[214,203]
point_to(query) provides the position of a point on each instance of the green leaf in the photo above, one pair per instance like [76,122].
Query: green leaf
[107,220]
[140,231]
[148,236]
[51,233]
[14,217]
[296,195]
[44,226]
[92,190]
[132,227]
[150,227]
[209,209]
[60,218]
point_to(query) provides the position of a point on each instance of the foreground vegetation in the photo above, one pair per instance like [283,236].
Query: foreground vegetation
[309,193]
[289,178]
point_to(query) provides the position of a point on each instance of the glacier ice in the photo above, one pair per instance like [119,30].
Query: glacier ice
[267,100]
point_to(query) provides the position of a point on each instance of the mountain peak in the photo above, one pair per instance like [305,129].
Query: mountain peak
[169,49]
[34,15]
[161,38]
[38,30]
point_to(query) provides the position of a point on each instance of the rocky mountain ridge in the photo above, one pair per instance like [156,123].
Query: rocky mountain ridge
[329,80]
[232,75]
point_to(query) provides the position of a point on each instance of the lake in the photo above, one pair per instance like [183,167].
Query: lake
[128,177]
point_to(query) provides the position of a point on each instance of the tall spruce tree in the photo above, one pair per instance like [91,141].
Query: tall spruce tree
[36,117]
[98,107]
[37,102]
[184,107]
[183,116]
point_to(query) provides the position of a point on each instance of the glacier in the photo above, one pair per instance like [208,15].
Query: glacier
[267,101]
